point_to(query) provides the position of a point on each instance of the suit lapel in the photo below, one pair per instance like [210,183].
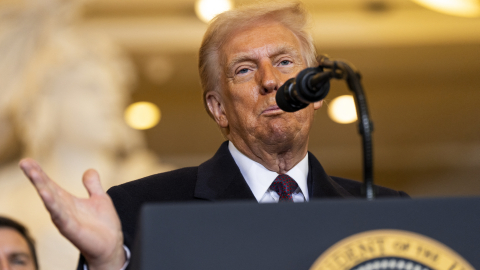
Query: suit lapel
[219,178]
[322,186]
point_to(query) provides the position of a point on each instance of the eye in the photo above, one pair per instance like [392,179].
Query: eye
[19,261]
[242,71]
[285,62]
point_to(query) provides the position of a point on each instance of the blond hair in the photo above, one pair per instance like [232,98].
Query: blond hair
[291,15]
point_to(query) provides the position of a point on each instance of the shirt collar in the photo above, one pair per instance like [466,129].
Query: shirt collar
[259,178]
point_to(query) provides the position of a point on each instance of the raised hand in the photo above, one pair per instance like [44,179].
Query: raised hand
[92,224]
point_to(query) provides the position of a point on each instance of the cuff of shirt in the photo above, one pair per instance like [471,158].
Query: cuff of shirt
[127,261]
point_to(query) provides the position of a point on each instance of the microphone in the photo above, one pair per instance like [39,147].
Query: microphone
[310,85]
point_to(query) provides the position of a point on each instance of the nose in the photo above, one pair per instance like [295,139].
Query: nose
[269,78]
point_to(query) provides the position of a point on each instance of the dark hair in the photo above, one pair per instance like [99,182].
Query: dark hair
[10,223]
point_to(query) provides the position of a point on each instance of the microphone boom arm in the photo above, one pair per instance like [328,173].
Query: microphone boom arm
[341,70]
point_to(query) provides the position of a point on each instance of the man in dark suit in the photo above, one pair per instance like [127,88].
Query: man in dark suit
[246,55]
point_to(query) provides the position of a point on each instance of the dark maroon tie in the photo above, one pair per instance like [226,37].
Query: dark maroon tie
[284,185]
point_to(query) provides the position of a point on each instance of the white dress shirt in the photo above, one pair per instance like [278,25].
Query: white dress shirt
[259,178]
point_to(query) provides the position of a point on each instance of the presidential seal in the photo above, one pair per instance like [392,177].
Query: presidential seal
[392,250]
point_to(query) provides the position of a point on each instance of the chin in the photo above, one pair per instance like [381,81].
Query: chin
[288,131]
[279,135]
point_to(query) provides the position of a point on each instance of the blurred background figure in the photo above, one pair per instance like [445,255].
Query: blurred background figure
[63,92]
[17,247]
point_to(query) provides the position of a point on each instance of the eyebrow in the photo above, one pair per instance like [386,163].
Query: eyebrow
[278,50]
[20,254]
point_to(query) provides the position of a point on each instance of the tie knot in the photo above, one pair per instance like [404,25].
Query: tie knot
[284,185]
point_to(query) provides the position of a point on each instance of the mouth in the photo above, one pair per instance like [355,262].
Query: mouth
[272,110]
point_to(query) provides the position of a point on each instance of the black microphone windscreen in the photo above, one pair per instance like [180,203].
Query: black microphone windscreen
[286,97]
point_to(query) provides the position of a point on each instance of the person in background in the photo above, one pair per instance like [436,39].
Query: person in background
[17,247]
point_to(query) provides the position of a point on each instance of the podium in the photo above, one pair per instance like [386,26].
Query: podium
[322,234]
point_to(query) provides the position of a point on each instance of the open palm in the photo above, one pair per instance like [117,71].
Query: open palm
[91,224]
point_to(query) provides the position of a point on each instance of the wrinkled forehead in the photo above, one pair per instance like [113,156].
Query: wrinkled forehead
[265,38]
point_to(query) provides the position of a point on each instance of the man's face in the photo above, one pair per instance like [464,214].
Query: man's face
[256,61]
[14,251]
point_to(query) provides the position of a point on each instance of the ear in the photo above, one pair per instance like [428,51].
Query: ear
[215,106]
[317,105]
